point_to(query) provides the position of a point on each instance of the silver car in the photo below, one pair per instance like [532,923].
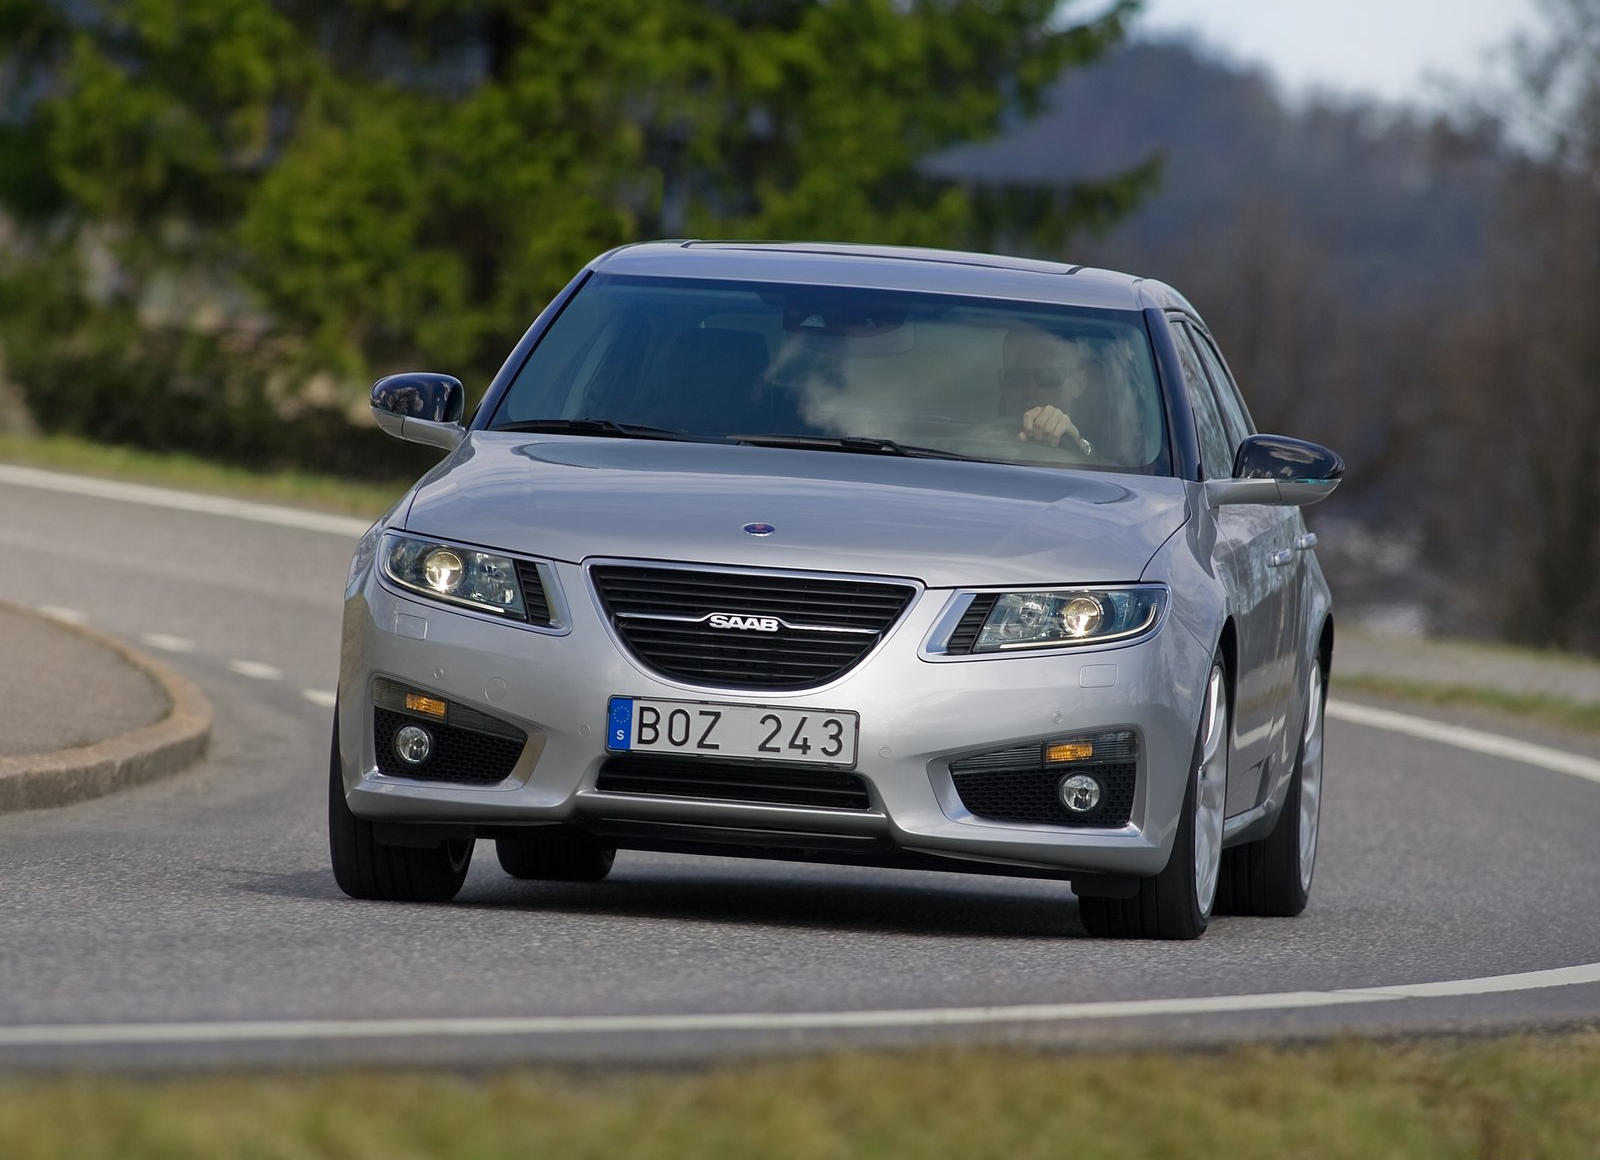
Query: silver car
[877,556]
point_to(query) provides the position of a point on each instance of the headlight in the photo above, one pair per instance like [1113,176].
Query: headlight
[454,574]
[1059,618]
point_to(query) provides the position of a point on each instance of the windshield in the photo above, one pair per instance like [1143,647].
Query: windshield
[846,369]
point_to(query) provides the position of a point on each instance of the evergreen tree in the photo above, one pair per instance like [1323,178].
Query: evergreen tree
[407,184]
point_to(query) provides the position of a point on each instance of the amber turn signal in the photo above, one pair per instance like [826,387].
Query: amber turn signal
[432,706]
[1068,751]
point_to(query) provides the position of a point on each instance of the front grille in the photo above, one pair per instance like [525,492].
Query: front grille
[468,746]
[1014,785]
[807,651]
[734,782]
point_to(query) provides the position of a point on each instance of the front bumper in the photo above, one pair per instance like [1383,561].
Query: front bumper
[916,717]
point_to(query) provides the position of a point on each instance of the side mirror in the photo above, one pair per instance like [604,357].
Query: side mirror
[420,407]
[1275,469]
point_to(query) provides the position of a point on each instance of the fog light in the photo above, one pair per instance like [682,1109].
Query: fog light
[413,743]
[1080,793]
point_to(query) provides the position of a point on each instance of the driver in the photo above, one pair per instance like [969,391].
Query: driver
[1041,378]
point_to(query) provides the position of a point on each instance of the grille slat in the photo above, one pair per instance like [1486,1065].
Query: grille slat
[731,781]
[653,589]
[657,594]
[789,658]
[692,580]
[798,650]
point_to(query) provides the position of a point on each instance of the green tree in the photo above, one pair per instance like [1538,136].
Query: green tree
[401,183]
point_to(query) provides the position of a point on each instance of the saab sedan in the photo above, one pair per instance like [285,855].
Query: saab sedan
[864,555]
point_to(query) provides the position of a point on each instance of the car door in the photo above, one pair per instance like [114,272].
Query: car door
[1291,544]
[1251,544]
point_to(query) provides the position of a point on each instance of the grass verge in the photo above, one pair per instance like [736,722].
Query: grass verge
[191,473]
[1524,1098]
[1581,715]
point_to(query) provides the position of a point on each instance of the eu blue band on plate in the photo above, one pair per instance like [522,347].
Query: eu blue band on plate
[620,726]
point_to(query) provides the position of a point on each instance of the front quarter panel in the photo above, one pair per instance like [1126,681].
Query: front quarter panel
[1198,596]
[1185,563]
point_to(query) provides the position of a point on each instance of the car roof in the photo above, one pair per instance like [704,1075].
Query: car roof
[885,268]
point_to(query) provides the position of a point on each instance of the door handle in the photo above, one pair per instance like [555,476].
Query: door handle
[1279,558]
[1306,542]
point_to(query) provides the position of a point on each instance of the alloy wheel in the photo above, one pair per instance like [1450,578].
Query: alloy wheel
[1211,789]
[1311,777]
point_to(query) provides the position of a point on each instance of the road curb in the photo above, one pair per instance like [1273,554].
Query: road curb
[43,780]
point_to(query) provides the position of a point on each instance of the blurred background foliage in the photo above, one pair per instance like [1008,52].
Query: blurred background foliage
[230,210]
[220,219]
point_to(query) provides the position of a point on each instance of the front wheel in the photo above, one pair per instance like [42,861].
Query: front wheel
[1272,877]
[1176,903]
[366,868]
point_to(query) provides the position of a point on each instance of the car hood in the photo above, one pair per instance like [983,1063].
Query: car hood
[947,523]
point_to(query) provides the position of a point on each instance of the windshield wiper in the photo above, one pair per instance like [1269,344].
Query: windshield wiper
[607,427]
[860,444]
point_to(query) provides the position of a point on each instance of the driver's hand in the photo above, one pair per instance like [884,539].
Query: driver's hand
[1047,425]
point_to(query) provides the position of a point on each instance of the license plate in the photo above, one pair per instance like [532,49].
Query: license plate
[746,732]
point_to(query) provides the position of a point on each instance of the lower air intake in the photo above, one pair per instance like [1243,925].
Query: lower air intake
[1015,785]
[730,781]
[468,747]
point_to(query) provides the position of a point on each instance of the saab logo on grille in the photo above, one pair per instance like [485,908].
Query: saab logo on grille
[747,623]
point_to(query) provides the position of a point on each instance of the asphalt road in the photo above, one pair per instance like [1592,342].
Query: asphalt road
[196,920]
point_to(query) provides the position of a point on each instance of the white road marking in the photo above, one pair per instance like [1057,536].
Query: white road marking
[164,497]
[65,615]
[166,642]
[67,1035]
[1491,744]
[323,697]
[256,670]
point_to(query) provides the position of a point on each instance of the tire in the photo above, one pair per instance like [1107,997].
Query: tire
[1177,903]
[366,868]
[554,854]
[1271,878]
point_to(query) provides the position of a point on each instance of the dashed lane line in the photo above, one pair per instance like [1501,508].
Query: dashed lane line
[256,670]
[166,642]
[163,497]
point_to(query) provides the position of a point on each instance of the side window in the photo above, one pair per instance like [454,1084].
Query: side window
[1216,449]
[1233,409]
